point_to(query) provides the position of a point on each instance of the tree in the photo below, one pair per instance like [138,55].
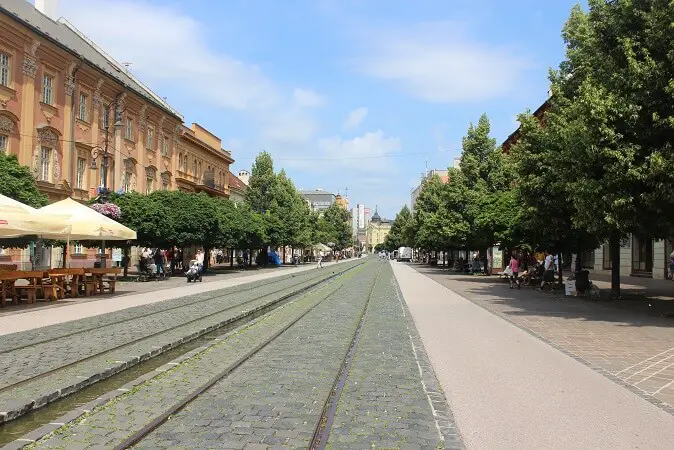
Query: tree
[438,220]
[483,169]
[401,234]
[613,104]
[259,193]
[17,182]
[337,221]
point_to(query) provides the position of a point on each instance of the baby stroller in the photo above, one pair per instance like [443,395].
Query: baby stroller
[147,269]
[194,272]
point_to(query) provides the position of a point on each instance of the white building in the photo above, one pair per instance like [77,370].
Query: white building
[443,174]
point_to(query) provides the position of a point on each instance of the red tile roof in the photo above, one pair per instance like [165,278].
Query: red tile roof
[236,183]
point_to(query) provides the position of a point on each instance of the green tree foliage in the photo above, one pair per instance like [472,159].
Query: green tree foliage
[336,223]
[261,187]
[613,104]
[439,223]
[17,182]
[401,234]
[486,178]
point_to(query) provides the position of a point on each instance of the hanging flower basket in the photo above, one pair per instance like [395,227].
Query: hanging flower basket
[108,209]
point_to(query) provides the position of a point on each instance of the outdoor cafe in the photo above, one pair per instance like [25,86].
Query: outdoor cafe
[66,220]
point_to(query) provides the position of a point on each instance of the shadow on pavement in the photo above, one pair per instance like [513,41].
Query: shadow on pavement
[495,295]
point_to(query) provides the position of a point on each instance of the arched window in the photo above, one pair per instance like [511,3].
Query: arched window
[185,164]
[180,160]
[199,170]
[194,167]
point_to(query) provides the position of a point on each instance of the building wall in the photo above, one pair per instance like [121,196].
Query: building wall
[60,142]
[376,233]
[660,258]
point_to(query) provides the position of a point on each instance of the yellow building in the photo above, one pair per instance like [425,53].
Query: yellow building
[376,231]
[64,101]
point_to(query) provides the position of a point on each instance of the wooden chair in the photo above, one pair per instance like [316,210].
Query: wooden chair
[56,285]
[75,282]
[108,283]
[9,279]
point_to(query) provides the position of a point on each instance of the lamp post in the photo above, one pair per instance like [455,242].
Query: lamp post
[103,151]
[104,154]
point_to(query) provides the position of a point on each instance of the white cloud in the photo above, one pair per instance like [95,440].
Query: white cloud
[164,45]
[306,98]
[355,118]
[289,127]
[367,152]
[437,62]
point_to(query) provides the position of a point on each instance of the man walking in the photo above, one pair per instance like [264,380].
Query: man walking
[319,260]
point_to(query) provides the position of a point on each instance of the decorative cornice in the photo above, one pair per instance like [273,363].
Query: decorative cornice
[29,64]
[97,93]
[70,78]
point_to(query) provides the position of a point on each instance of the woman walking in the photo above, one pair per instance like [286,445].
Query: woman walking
[514,267]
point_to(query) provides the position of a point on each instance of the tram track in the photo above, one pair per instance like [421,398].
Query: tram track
[254,305]
[138,436]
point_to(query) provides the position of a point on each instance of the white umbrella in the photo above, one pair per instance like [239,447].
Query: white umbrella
[17,219]
[88,224]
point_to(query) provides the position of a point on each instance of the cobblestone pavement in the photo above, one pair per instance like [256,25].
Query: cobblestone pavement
[633,348]
[276,397]
[113,422]
[112,330]
[54,385]
[385,403]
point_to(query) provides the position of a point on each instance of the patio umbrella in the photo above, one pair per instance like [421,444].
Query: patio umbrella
[88,224]
[17,219]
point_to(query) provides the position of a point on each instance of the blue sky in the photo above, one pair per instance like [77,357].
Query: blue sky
[338,90]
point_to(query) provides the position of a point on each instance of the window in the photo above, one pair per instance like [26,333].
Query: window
[129,128]
[82,113]
[48,89]
[149,185]
[3,143]
[164,186]
[45,164]
[180,161]
[81,167]
[149,139]
[127,181]
[194,167]
[106,117]
[164,146]
[78,249]
[185,164]
[4,69]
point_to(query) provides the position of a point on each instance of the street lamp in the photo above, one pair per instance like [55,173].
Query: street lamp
[103,151]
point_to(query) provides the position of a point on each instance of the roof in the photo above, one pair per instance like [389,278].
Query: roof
[236,183]
[66,36]
[316,192]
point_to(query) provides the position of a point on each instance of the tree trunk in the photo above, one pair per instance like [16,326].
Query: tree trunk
[444,259]
[284,255]
[126,258]
[207,258]
[614,244]
[65,255]
[559,263]
[485,261]
[231,257]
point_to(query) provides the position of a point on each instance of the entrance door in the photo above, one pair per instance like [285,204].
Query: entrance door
[642,255]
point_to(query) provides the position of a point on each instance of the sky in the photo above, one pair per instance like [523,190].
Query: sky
[345,94]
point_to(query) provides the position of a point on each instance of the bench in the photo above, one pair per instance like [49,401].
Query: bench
[8,279]
[98,279]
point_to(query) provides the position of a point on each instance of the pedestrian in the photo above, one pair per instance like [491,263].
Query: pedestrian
[200,259]
[514,267]
[548,270]
[319,260]
[159,261]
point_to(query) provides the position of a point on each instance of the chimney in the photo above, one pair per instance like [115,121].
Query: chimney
[244,176]
[48,8]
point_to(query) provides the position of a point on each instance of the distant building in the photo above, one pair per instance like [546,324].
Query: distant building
[237,188]
[376,232]
[318,200]
[443,174]
[244,176]
[342,201]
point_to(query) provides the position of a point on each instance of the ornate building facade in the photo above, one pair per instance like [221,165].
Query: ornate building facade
[64,101]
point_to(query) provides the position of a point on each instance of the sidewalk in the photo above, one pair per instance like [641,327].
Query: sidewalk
[509,389]
[128,295]
[624,340]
